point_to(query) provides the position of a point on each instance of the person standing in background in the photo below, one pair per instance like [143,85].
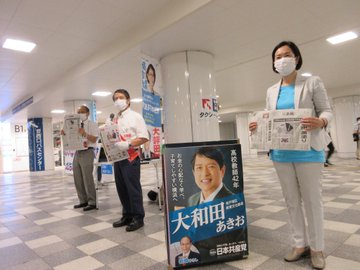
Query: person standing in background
[300,172]
[356,137]
[330,152]
[133,134]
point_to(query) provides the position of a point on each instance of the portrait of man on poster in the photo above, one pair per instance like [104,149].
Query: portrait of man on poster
[208,168]
[187,255]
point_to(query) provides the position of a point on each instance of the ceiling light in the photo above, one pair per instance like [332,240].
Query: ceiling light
[19,45]
[98,112]
[58,111]
[101,93]
[306,74]
[342,38]
[136,100]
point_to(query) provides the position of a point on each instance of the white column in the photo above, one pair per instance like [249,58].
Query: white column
[242,130]
[190,106]
[71,107]
[346,110]
[14,148]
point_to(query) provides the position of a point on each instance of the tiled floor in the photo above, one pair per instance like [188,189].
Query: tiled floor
[39,229]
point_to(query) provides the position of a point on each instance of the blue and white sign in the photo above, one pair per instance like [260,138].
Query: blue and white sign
[205,204]
[36,144]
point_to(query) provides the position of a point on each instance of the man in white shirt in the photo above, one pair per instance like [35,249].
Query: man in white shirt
[133,133]
[83,164]
[209,170]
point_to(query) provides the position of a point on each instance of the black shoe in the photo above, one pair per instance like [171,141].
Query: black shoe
[326,164]
[89,207]
[80,205]
[122,222]
[134,225]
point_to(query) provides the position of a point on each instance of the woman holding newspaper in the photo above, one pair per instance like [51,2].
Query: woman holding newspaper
[300,172]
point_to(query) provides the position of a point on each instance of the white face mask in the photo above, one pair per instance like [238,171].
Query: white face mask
[83,116]
[285,66]
[121,104]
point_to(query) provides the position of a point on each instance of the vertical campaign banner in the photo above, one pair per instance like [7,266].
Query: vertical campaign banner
[205,206]
[36,144]
[152,103]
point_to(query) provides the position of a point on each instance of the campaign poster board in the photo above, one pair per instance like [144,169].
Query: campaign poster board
[217,227]
[152,103]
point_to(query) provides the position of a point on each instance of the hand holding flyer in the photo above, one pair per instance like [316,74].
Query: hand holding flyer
[115,149]
[123,146]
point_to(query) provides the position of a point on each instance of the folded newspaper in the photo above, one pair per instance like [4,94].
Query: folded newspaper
[280,129]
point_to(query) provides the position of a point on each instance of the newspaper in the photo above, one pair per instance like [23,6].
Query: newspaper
[109,135]
[72,140]
[280,129]
[261,137]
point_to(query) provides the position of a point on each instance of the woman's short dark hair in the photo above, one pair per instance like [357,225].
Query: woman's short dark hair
[121,91]
[150,66]
[211,153]
[293,48]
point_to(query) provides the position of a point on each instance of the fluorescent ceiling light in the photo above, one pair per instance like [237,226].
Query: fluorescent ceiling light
[136,100]
[58,111]
[19,45]
[101,93]
[342,38]
[98,112]
[306,74]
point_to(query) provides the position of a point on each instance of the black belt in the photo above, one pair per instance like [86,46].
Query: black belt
[89,148]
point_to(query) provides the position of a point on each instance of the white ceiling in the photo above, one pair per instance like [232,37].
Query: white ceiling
[85,45]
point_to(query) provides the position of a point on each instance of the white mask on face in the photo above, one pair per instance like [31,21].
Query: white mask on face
[83,116]
[285,66]
[121,104]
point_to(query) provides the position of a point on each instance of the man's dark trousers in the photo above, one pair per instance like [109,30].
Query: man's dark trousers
[128,186]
